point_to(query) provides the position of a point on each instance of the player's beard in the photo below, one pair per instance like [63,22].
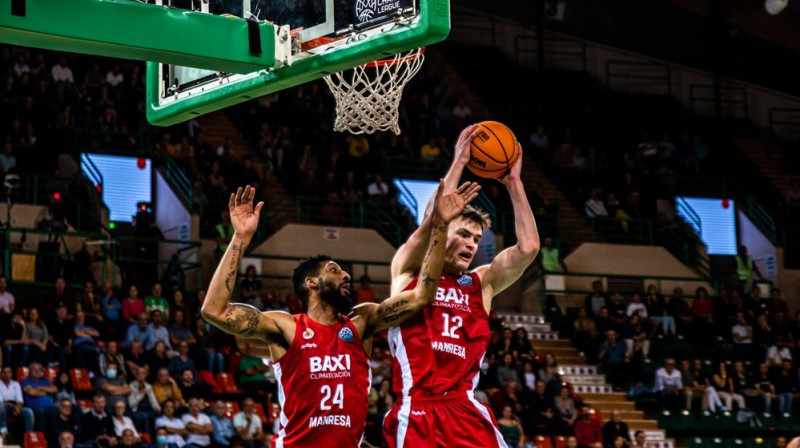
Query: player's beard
[332,294]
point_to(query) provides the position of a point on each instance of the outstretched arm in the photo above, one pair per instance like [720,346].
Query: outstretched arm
[508,265]
[400,307]
[237,318]
[409,257]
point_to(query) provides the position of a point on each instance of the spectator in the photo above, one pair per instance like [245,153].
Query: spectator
[510,428]
[175,429]
[15,347]
[198,425]
[679,308]
[223,431]
[62,333]
[549,373]
[223,232]
[702,312]
[700,383]
[142,401]
[157,302]
[84,350]
[785,387]
[36,394]
[132,306]
[778,353]
[7,161]
[378,190]
[612,351]
[112,355]
[97,428]
[504,345]
[723,384]
[158,331]
[565,408]
[587,430]
[130,439]
[596,300]
[636,306]
[585,332]
[11,395]
[764,387]
[521,345]
[527,379]
[551,259]
[66,440]
[191,389]
[742,332]
[594,207]
[507,396]
[669,386]
[252,375]
[206,348]
[157,359]
[541,413]
[776,303]
[115,77]
[745,268]
[251,288]
[60,295]
[248,425]
[178,363]
[7,301]
[539,139]
[614,428]
[121,421]
[112,385]
[178,331]
[365,293]
[659,310]
[61,73]
[381,368]
[64,421]
[136,359]
[64,386]
[507,371]
[139,331]
[640,440]
[166,389]
[635,334]
[111,310]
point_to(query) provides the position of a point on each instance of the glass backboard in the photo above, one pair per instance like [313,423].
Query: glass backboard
[313,38]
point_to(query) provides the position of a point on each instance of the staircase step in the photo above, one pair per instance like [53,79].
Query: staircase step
[604,396]
[546,344]
[566,369]
[595,391]
[608,406]
[587,380]
[571,359]
[509,318]
[642,424]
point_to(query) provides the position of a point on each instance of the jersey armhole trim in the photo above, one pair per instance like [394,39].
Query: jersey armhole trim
[297,318]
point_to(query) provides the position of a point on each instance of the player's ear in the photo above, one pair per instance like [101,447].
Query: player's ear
[312,282]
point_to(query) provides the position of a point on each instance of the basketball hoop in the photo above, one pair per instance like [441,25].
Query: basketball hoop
[368,96]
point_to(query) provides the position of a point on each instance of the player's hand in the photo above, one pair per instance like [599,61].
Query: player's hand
[448,205]
[513,174]
[244,217]
[463,149]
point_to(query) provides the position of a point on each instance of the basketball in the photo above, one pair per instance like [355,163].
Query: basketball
[493,151]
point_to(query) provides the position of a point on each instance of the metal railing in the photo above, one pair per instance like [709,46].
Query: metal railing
[175,176]
[728,96]
[554,46]
[355,268]
[644,71]
[690,213]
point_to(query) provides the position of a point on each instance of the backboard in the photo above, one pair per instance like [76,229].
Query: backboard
[313,38]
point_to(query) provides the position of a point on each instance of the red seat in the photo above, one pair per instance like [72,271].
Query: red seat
[51,373]
[542,442]
[259,411]
[227,384]
[35,440]
[80,380]
[207,377]
[145,438]
[85,404]
[231,408]
[22,373]
[561,442]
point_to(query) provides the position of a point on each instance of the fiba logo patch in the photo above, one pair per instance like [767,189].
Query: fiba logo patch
[346,334]
[365,9]
[465,280]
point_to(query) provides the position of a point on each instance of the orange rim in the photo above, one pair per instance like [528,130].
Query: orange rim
[393,60]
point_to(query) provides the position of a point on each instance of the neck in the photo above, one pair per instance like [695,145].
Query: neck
[321,311]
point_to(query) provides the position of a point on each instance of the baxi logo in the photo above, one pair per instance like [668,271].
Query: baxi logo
[365,9]
[346,334]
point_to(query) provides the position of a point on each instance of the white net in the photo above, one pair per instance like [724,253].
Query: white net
[368,96]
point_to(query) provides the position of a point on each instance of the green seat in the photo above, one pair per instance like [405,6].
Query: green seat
[718,442]
[787,423]
[697,442]
[667,420]
[758,442]
[768,422]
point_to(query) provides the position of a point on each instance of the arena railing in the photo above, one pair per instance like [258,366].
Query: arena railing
[735,97]
[356,268]
[556,47]
[639,71]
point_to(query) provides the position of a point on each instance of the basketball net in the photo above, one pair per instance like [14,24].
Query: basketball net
[368,96]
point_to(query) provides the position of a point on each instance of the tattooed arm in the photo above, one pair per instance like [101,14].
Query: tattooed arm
[238,318]
[397,309]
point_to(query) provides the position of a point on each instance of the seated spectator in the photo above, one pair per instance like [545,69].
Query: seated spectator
[157,359]
[612,351]
[636,307]
[15,346]
[191,389]
[507,396]
[585,332]
[178,331]
[248,425]
[11,395]
[38,336]
[111,311]
[527,379]
[165,388]
[379,366]
[778,352]
[785,387]
[142,402]
[763,384]
[36,394]
[587,430]
[133,305]
[378,190]
[64,386]
[636,336]
[595,301]
[614,428]
[504,345]
[156,302]
[252,289]
[507,371]
[97,428]
[669,386]
[112,355]
[640,440]
[522,345]
[566,411]
[742,332]
[541,418]
[595,207]
[62,334]
[173,426]
[178,363]
[130,439]
[223,431]
[252,375]
[509,426]
[659,310]
[365,293]
[139,331]
[158,331]
[702,312]
[111,385]
[198,425]
[697,383]
[84,350]
[679,308]
[207,346]
[136,359]
[723,384]
[121,421]
[66,440]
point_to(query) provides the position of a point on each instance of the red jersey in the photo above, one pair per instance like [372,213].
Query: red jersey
[440,350]
[323,386]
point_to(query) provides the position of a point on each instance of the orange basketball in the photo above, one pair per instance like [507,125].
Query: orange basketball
[494,150]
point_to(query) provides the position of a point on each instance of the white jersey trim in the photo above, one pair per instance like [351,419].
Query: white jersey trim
[485,413]
[282,400]
[400,354]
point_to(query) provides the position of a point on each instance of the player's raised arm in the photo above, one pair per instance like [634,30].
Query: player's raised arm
[508,266]
[409,257]
[237,318]
[398,308]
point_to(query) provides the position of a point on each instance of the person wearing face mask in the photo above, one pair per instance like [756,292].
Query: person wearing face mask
[114,387]
[161,438]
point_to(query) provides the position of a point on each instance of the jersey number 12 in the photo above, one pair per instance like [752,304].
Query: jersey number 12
[451,324]
[338,397]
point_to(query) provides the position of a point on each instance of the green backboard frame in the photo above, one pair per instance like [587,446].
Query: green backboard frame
[430,25]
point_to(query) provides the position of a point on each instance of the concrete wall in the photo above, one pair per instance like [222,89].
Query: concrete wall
[176,222]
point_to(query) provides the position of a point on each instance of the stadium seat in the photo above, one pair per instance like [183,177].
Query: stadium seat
[84,404]
[717,442]
[207,377]
[22,373]
[35,439]
[51,373]
[542,442]
[231,408]
[80,380]
[759,442]
[768,422]
[145,438]
[787,423]
[697,442]
[561,441]
[227,384]
[261,414]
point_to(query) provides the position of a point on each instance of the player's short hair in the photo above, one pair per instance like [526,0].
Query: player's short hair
[307,268]
[477,216]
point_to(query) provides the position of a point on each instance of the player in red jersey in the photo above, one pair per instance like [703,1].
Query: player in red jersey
[438,352]
[319,358]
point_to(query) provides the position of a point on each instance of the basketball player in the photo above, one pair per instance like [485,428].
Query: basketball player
[320,363]
[438,352]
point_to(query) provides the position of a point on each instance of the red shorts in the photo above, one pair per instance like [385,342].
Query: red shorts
[452,421]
